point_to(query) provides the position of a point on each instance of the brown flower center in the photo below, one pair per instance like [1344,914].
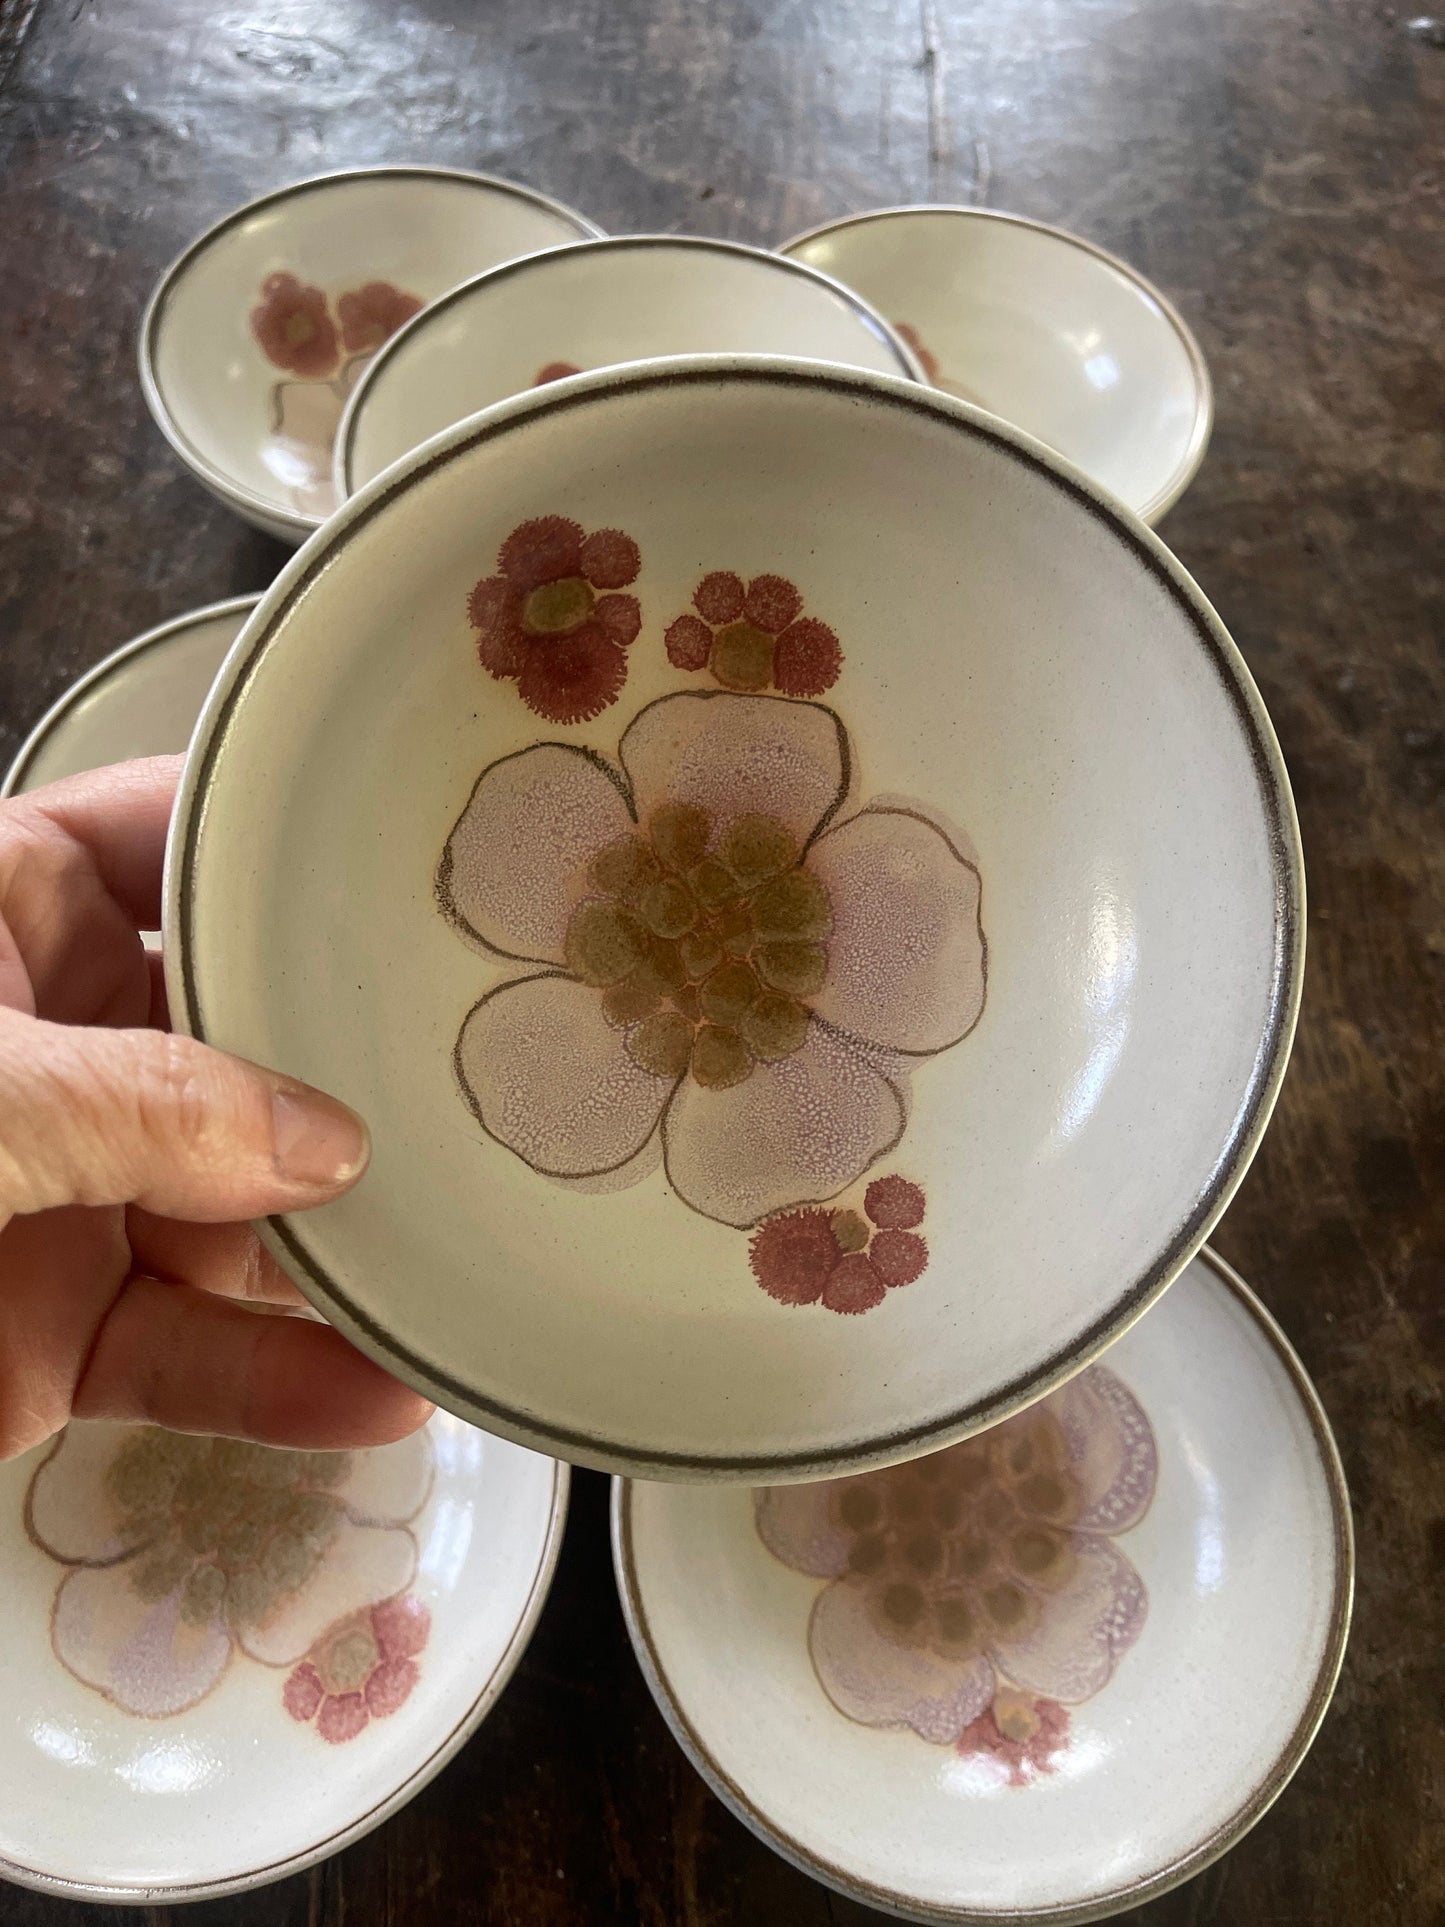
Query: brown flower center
[960,1550]
[706,947]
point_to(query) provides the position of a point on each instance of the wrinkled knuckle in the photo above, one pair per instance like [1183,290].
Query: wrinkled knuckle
[175,1099]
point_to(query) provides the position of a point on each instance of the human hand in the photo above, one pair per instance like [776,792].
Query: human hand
[130,1158]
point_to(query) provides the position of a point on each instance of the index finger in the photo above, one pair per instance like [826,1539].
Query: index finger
[119,816]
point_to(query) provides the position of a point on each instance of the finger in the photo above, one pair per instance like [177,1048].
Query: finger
[94,1116]
[175,1356]
[119,816]
[226,1259]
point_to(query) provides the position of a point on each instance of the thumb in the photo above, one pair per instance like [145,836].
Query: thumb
[93,1116]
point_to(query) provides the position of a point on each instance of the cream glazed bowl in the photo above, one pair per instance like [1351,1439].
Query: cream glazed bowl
[595,305]
[1041,327]
[224,1662]
[1046,1675]
[256,334]
[141,700]
[778,859]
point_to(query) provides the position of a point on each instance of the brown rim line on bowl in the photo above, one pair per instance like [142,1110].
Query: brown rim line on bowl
[15,777]
[1161,499]
[395,349]
[261,511]
[1204,645]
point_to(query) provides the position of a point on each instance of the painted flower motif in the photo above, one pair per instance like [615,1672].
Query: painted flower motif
[728,971]
[754,636]
[371,315]
[550,618]
[186,1551]
[294,325]
[554,371]
[1019,1736]
[982,1583]
[363,1667]
[845,1260]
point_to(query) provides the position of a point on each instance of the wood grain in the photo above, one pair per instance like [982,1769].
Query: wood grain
[1277,168]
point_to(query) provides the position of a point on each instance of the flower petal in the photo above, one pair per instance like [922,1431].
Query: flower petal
[878,1682]
[549,1077]
[515,864]
[796,1524]
[796,1131]
[71,1511]
[140,1654]
[739,755]
[1111,1448]
[362,1566]
[389,1484]
[1084,1629]
[906,960]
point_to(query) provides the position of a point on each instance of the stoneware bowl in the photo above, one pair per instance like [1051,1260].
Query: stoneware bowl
[222,1663]
[779,861]
[142,700]
[255,336]
[595,305]
[1045,1675]
[1042,328]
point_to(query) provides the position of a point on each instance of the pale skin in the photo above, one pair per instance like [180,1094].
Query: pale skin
[132,1285]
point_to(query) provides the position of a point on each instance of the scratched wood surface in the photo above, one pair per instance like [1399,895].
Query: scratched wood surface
[1277,168]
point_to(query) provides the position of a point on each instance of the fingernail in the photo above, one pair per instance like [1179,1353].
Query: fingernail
[317,1141]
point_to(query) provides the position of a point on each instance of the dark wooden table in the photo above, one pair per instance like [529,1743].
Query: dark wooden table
[1277,166]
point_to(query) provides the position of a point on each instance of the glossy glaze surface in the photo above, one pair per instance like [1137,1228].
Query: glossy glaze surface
[1044,329]
[1171,1674]
[1089,747]
[591,307]
[1272,169]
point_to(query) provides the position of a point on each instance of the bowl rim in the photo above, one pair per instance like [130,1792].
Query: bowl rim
[1177,1246]
[13,781]
[1156,506]
[604,244]
[1250,1809]
[237,495]
[166,1893]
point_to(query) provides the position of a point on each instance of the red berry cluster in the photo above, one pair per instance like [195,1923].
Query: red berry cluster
[753,635]
[836,1258]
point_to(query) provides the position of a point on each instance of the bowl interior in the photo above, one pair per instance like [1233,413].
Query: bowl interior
[260,409]
[143,701]
[143,1754]
[1039,329]
[591,307]
[1026,685]
[1243,1560]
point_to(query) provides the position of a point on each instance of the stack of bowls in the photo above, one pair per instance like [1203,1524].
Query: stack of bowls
[807,896]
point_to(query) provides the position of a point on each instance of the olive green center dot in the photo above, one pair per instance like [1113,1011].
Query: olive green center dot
[955,1620]
[604,942]
[755,847]
[733,924]
[668,908]
[686,999]
[867,1554]
[902,1606]
[798,968]
[774,1026]
[351,1660]
[720,1058]
[679,833]
[700,952]
[713,882]
[728,993]
[662,1044]
[742,656]
[624,868]
[556,607]
[630,1001]
[793,905]
[859,1507]
[850,1230]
